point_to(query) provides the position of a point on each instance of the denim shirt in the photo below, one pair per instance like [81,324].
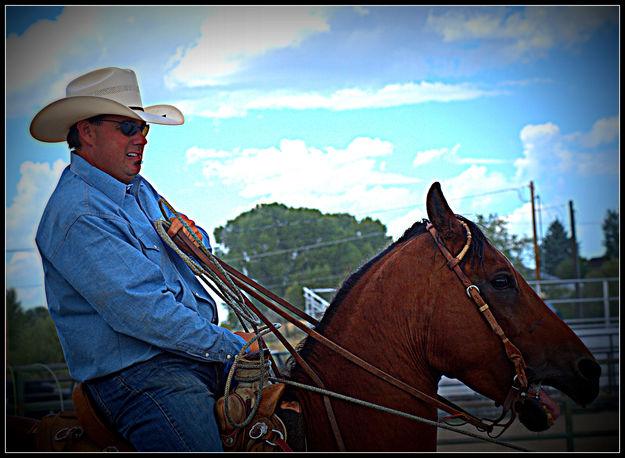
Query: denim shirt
[116,292]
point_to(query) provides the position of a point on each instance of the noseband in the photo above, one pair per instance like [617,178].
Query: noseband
[519,383]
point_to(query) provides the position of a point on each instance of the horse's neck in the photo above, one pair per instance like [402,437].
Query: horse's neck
[377,330]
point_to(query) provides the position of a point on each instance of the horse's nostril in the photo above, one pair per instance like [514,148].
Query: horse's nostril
[589,368]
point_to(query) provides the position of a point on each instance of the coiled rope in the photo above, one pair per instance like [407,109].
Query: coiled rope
[233,297]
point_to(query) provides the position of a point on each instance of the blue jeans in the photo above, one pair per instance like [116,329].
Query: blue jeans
[163,404]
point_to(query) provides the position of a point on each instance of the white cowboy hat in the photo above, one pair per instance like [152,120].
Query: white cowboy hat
[109,90]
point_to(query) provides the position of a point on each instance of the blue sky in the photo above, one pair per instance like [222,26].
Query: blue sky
[344,109]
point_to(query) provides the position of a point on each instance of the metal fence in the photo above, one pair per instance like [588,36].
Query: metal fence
[581,302]
[34,390]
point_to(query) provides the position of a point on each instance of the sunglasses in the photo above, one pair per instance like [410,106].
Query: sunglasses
[129,128]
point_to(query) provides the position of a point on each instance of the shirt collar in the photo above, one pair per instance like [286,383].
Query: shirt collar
[102,181]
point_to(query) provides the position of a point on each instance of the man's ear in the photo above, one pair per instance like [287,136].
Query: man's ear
[86,133]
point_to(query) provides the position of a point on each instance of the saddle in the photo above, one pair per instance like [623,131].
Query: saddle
[267,431]
[93,425]
[274,423]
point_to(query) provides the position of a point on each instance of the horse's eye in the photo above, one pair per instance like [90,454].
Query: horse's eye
[501,281]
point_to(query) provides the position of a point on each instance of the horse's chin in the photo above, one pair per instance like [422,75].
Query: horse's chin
[537,410]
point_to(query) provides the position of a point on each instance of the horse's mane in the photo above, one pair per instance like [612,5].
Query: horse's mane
[475,254]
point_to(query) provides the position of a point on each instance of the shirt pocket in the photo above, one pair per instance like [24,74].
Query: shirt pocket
[151,248]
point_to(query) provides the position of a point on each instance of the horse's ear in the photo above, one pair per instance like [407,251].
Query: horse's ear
[440,215]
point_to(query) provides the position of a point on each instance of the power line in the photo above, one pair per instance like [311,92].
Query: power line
[517,189]
[307,247]
[367,213]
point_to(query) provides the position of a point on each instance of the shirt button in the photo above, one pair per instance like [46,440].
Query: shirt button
[207,355]
[228,356]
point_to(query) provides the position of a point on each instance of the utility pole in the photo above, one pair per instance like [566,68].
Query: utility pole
[536,253]
[575,256]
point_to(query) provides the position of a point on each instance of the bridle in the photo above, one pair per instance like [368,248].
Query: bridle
[519,383]
[175,238]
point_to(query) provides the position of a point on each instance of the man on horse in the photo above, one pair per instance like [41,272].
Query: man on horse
[135,324]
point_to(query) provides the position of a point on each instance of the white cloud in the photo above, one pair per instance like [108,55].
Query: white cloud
[196,153]
[520,33]
[37,181]
[604,131]
[398,226]
[331,179]
[545,149]
[431,155]
[237,103]
[37,52]
[23,268]
[423,157]
[520,220]
[251,31]
[49,54]
[475,180]
[540,145]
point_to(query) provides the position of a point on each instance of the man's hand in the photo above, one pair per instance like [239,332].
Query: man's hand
[247,336]
[175,223]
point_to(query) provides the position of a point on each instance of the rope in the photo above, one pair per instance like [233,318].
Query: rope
[260,376]
[393,411]
[233,297]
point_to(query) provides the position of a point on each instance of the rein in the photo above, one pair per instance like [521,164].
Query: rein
[519,383]
[227,277]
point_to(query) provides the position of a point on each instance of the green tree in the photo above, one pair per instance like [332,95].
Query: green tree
[31,334]
[285,248]
[610,228]
[555,247]
[515,248]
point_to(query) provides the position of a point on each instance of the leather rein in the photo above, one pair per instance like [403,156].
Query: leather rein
[519,383]
[219,267]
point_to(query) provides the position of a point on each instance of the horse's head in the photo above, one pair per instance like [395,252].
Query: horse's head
[463,345]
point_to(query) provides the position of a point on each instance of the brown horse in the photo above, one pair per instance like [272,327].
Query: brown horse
[411,312]
[408,314]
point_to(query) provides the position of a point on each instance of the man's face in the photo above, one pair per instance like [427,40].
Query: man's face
[115,153]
